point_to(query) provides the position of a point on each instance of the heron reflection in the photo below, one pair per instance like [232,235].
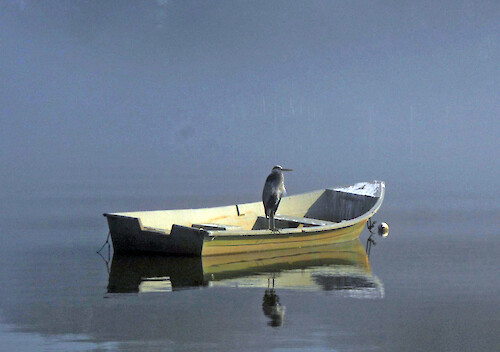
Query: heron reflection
[271,305]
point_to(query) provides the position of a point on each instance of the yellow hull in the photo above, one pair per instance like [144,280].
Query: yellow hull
[255,243]
[347,253]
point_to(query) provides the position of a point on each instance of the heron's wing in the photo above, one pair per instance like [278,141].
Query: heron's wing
[270,197]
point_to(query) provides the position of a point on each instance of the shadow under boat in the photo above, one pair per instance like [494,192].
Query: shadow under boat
[341,267]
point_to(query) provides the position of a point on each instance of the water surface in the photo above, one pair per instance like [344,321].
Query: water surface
[432,285]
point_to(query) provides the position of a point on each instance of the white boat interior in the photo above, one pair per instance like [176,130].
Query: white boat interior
[318,208]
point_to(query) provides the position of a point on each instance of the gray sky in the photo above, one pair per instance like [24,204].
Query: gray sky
[341,91]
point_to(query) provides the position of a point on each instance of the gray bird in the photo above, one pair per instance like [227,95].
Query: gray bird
[274,188]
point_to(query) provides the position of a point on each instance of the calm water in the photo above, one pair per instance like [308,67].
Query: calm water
[431,286]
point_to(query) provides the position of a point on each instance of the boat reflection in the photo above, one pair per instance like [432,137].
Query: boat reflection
[341,268]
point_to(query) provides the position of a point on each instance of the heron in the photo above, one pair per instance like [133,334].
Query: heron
[274,188]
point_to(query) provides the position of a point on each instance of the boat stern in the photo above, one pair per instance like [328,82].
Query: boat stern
[129,236]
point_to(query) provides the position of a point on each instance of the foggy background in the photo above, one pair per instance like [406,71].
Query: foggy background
[204,97]
[123,105]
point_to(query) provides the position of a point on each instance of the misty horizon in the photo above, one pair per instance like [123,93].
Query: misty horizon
[339,91]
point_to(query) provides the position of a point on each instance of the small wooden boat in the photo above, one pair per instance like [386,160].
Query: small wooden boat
[310,219]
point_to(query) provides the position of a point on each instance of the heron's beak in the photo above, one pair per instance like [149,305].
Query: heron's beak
[286,169]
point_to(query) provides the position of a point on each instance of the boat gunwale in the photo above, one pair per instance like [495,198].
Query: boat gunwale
[266,232]
[312,229]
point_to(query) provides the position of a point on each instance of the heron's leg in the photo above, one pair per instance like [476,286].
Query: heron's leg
[272,221]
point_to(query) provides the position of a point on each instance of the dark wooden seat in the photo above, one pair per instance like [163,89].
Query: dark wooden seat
[216,227]
[302,221]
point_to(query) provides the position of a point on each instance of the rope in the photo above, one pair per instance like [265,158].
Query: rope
[109,252]
[105,243]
